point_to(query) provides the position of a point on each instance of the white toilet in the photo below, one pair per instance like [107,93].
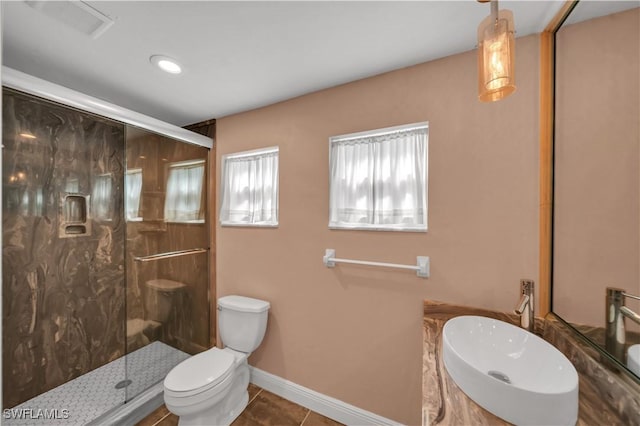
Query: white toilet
[210,388]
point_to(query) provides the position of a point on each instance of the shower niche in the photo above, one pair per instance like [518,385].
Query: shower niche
[74,216]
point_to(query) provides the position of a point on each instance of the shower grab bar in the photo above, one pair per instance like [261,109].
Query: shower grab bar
[169,254]
[422,268]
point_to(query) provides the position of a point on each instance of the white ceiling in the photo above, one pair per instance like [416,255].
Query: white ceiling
[242,55]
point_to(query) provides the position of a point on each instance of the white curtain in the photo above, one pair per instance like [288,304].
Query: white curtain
[132,188]
[184,192]
[379,180]
[250,188]
[101,197]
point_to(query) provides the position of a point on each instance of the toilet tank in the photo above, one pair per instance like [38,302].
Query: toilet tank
[242,321]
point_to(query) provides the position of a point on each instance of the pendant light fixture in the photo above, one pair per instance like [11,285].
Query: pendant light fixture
[496,55]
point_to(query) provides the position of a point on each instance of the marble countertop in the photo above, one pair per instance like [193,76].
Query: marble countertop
[606,397]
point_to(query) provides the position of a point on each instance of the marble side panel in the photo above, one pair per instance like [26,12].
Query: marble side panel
[63,261]
[605,397]
[443,401]
[597,336]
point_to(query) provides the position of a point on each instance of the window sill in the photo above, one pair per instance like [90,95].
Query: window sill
[249,225]
[360,227]
[186,222]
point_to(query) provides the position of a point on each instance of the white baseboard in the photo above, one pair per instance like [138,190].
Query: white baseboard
[322,404]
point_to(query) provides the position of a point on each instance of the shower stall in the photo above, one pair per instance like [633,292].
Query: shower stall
[105,255]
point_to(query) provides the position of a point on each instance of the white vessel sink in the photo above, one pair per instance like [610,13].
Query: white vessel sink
[633,359]
[510,372]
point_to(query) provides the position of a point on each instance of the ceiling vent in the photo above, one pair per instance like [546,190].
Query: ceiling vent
[75,14]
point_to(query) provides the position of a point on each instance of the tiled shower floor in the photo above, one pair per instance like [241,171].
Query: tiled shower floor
[91,395]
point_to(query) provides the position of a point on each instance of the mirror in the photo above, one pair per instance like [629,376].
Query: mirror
[596,186]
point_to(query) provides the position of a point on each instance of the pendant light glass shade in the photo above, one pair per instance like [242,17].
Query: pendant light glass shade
[496,56]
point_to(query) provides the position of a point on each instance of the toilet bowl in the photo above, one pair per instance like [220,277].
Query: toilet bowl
[211,387]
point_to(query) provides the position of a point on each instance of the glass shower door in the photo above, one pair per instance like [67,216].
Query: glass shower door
[167,245]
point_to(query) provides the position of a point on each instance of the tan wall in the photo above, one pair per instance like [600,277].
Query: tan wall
[354,333]
[597,185]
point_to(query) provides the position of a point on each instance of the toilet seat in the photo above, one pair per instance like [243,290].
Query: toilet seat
[199,373]
[210,395]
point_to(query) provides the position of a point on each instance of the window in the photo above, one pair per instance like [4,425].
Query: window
[101,200]
[378,179]
[133,189]
[250,188]
[183,202]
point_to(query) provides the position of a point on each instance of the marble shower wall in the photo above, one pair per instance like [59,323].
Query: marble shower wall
[187,327]
[63,294]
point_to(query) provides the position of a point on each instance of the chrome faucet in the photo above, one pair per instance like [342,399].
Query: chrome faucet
[525,307]
[615,336]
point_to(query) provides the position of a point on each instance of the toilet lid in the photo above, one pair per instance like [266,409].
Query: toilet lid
[203,370]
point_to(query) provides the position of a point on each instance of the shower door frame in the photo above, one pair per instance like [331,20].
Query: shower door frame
[65,96]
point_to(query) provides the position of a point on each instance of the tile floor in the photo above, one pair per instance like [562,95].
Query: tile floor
[264,409]
[93,394]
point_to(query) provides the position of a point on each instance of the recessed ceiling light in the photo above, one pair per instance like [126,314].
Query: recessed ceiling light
[27,135]
[166,64]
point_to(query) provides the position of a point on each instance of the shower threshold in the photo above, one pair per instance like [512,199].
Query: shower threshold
[94,397]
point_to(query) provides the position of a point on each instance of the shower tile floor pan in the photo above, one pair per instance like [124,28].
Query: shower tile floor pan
[89,396]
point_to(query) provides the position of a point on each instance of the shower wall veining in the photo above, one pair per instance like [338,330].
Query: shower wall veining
[74,297]
[63,297]
[188,325]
